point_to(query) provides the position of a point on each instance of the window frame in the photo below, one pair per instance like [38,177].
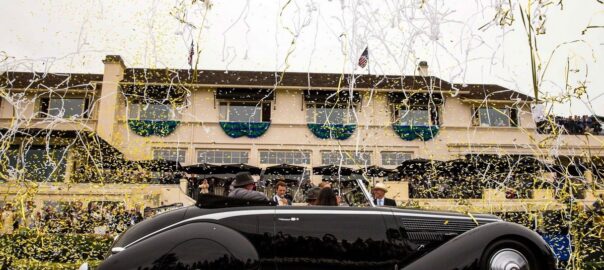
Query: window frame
[433,113]
[511,113]
[246,153]
[311,108]
[43,107]
[178,151]
[347,158]
[174,115]
[396,153]
[265,108]
[307,158]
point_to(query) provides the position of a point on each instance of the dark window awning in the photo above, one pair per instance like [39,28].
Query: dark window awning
[416,98]
[245,94]
[343,96]
[155,94]
[284,169]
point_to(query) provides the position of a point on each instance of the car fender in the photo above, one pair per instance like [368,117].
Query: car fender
[465,251]
[153,251]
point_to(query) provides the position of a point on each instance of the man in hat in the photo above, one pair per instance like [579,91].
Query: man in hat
[244,188]
[379,196]
[312,195]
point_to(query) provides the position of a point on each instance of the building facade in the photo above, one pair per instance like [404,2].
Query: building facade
[269,118]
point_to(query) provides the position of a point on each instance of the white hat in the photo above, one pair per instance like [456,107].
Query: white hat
[380,186]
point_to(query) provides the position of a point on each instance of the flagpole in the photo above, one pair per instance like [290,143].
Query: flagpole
[368,62]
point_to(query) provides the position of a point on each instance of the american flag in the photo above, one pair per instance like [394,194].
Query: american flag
[191,53]
[364,58]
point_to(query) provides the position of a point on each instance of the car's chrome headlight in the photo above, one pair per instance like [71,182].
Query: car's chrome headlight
[84,266]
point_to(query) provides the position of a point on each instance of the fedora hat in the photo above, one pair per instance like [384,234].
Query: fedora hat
[380,186]
[312,194]
[243,179]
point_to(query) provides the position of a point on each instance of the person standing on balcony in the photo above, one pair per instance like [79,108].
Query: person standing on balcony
[244,188]
[379,196]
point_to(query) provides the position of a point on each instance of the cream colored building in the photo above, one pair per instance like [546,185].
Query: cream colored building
[202,116]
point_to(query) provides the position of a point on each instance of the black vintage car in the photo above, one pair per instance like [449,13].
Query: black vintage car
[221,233]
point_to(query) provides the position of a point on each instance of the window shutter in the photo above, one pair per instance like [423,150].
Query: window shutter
[86,113]
[395,112]
[266,112]
[475,117]
[43,107]
[514,119]
[434,115]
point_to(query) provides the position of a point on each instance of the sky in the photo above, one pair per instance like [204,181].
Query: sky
[463,41]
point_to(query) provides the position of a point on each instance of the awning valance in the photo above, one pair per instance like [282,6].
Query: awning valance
[416,98]
[318,96]
[245,94]
[155,94]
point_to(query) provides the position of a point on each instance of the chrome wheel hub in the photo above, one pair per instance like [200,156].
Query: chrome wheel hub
[508,259]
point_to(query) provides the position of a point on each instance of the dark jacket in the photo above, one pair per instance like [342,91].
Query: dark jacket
[387,202]
[242,193]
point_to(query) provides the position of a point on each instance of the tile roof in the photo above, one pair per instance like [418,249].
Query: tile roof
[261,79]
[38,80]
[491,92]
[271,79]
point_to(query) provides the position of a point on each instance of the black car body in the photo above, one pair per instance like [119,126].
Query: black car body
[222,234]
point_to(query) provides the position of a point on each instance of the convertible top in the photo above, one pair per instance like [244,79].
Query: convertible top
[211,201]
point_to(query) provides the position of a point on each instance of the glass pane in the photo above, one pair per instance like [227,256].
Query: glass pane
[155,112]
[414,117]
[170,154]
[66,107]
[133,111]
[322,113]
[223,111]
[494,117]
[310,114]
[245,112]
[41,164]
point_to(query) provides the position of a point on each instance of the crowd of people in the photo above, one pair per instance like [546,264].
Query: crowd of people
[68,218]
[571,125]
[322,195]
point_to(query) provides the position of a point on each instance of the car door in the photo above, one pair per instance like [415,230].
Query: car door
[330,238]
[258,227]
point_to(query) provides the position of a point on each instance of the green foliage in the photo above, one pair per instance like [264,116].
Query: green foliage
[27,247]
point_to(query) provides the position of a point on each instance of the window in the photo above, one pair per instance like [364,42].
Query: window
[222,156]
[330,113]
[496,117]
[285,156]
[395,158]
[64,107]
[170,154]
[347,158]
[241,111]
[151,111]
[414,115]
[41,164]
